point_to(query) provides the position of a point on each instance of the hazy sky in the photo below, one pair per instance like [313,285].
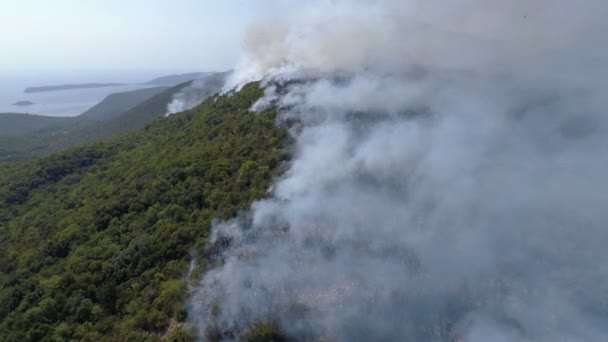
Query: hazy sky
[178,35]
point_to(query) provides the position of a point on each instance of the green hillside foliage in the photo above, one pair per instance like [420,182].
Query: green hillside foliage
[95,241]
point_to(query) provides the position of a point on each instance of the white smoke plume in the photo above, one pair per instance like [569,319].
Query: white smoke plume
[196,92]
[448,181]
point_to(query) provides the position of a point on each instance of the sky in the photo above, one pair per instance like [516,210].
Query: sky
[168,35]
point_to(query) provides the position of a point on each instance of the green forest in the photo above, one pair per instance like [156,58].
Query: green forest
[95,241]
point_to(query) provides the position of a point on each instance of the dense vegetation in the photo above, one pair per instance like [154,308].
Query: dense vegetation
[95,241]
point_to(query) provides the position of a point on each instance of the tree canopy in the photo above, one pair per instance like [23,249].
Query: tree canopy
[95,241]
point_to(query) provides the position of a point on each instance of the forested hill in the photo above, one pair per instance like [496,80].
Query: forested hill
[95,241]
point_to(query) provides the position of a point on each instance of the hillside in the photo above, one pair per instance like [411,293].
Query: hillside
[15,124]
[118,103]
[95,241]
[141,114]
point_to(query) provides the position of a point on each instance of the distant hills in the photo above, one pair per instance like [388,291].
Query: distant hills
[37,135]
[177,78]
[115,104]
[169,80]
[23,103]
[25,136]
[69,86]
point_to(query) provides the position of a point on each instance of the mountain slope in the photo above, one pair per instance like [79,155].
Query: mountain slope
[118,103]
[95,241]
[15,124]
[141,114]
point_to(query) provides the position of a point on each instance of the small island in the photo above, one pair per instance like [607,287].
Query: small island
[70,86]
[23,103]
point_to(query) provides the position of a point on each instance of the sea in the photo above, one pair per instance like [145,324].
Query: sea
[65,103]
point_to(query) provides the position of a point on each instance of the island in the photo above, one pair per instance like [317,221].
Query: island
[70,86]
[23,103]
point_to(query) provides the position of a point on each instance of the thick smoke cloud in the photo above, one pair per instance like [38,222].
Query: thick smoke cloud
[448,181]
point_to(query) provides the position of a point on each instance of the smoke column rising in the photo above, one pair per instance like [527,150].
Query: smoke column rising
[196,92]
[448,181]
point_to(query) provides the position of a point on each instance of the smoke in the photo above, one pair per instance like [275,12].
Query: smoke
[196,92]
[448,181]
